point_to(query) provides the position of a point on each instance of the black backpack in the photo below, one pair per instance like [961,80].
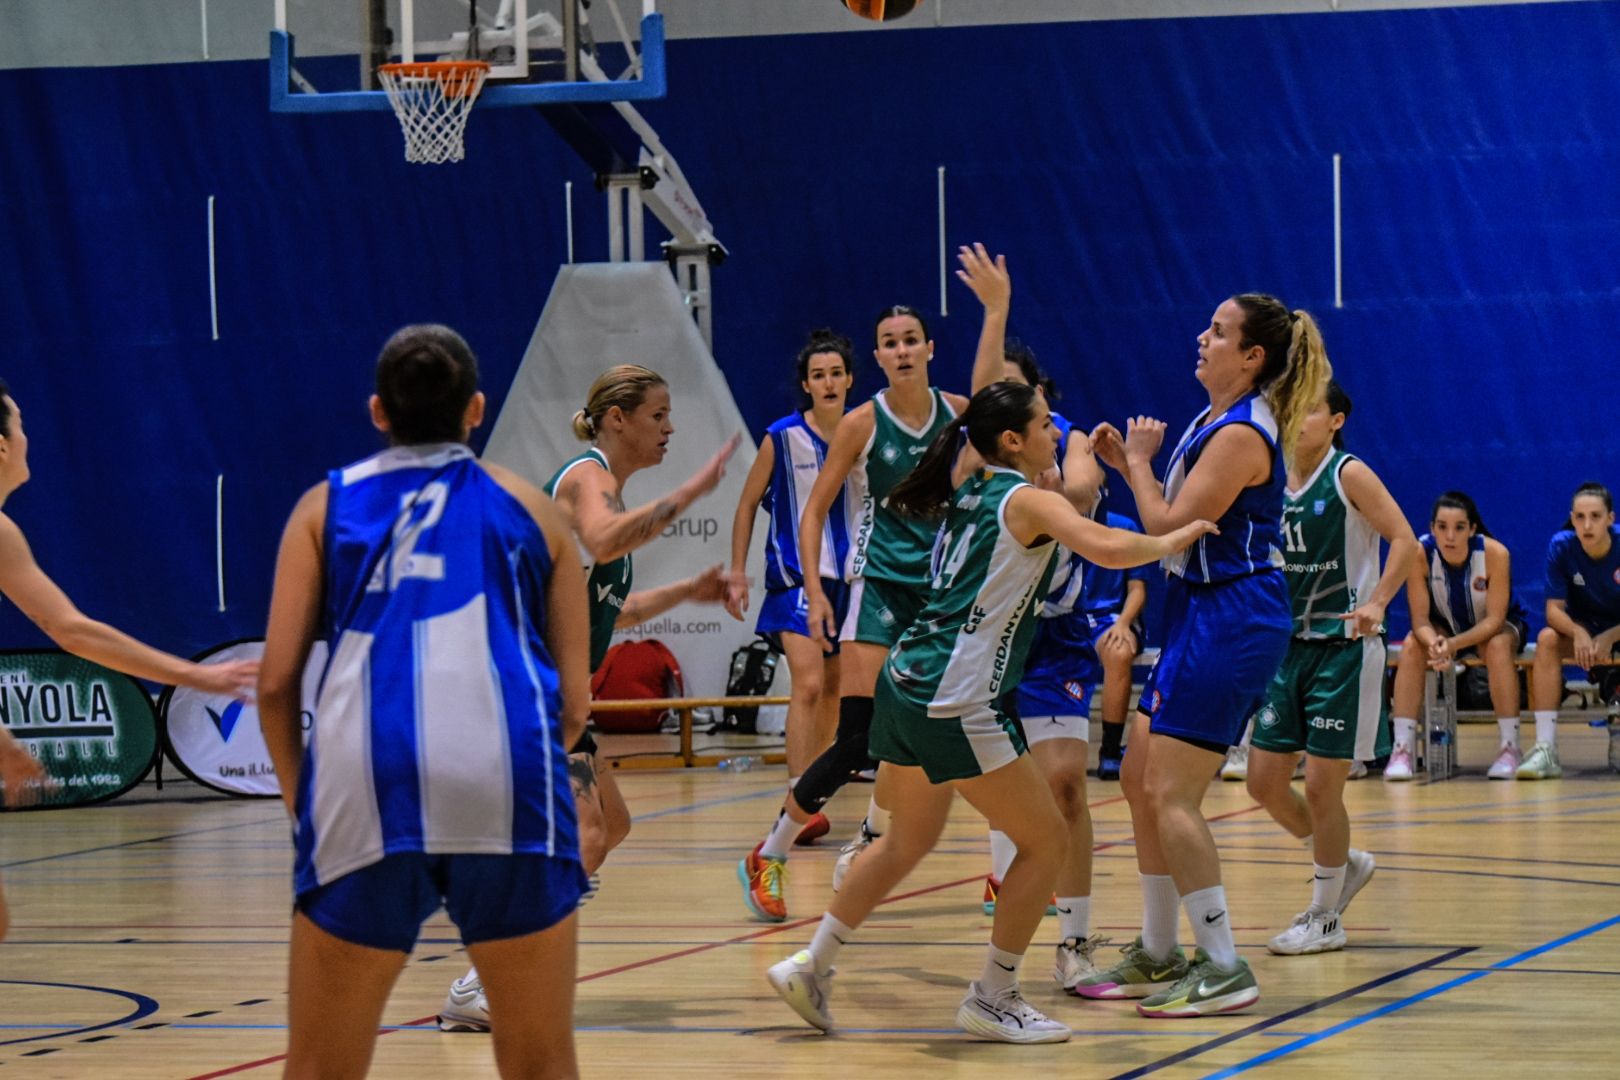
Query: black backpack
[753,667]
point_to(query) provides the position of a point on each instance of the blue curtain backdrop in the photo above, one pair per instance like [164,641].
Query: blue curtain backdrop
[1134,172]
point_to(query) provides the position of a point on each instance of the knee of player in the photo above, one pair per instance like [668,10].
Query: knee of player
[1547,642]
[1499,650]
[1069,792]
[808,686]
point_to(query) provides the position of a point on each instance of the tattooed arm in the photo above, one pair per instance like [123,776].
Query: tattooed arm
[607,529]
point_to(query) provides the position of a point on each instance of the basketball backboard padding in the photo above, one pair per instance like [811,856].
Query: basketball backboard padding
[652,84]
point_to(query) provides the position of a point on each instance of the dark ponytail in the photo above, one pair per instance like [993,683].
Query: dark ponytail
[1001,406]
[1458,500]
[1338,402]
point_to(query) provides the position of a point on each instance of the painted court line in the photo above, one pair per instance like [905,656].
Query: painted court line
[1292,1014]
[1414,999]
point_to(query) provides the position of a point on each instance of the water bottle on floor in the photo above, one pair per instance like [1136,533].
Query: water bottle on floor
[740,764]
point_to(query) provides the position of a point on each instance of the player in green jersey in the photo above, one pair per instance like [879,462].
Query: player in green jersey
[937,726]
[1327,699]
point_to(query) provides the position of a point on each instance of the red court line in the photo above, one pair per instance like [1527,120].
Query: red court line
[766,932]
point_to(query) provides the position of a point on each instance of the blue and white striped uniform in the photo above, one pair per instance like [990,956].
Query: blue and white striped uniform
[1062,666]
[1250,538]
[1457,593]
[437,727]
[800,454]
[1227,619]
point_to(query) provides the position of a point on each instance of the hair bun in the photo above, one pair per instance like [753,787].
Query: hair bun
[584,426]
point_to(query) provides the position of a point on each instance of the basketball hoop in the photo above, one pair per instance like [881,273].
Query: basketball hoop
[432,100]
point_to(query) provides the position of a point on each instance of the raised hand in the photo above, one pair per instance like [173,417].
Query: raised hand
[1143,437]
[987,277]
[1109,446]
[708,478]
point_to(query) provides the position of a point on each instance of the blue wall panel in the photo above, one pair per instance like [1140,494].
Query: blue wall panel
[1135,173]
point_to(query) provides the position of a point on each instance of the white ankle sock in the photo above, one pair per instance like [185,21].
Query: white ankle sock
[781,836]
[1160,908]
[1405,731]
[831,935]
[1206,910]
[1074,916]
[1326,887]
[1002,852]
[1547,726]
[1509,726]
[877,818]
[1000,972]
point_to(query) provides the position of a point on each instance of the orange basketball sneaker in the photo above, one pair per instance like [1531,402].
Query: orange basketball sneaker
[762,877]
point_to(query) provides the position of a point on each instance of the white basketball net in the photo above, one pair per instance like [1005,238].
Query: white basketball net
[432,101]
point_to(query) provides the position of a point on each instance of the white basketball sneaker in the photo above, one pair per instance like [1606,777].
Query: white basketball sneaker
[465,1008]
[1237,764]
[849,853]
[1075,961]
[1007,1017]
[1358,871]
[803,988]
[1312,932]
[1400,764]
[1506,765]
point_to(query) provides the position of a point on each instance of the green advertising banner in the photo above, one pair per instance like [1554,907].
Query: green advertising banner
[94,729]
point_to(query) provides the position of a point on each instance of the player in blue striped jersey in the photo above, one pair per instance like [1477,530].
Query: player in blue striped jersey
[1227,624]
[1583,614]
[790,458]
[1460,594]
[436,768]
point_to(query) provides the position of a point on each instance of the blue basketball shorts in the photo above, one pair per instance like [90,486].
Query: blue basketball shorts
[1059,674]
[488,897]
[1223,643]
[787,610]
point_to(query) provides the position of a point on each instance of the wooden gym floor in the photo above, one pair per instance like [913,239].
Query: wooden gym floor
[148,940]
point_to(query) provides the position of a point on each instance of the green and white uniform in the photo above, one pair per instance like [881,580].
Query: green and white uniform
[887,565]
[1327,698]
[608,583]
[936,696]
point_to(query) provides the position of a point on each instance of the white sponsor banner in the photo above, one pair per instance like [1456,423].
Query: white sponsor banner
[603,314]
[216,740]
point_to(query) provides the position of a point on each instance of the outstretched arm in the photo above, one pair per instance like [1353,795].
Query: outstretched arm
[1032,514]
[990,282]
[608,530]
[48,606]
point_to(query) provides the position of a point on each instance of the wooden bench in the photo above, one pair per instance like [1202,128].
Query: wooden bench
[683,707]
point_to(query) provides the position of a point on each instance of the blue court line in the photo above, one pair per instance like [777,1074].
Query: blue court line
[777,790]
[1414,999]
[144,1007]
[1293,1014]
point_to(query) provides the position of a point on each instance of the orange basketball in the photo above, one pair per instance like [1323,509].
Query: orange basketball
[881,10]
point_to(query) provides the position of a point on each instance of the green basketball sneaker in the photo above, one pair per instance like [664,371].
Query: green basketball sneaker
[1203,990]
[1136,975]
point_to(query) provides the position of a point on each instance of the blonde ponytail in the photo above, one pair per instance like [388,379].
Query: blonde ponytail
[1296,372]
[1294,393]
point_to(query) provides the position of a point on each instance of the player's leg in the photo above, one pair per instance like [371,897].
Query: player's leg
[350,938]
[1154,960]
[530,984]
[803,979]
[1116,652]
[1278,736]
[1501,653]
[1015,802]
[1061,760]
[1410,671]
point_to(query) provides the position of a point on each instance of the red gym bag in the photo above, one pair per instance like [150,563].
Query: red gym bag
[632,670]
